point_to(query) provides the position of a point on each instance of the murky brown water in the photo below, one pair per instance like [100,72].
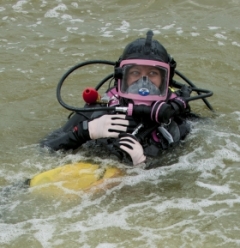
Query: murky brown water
[192,203]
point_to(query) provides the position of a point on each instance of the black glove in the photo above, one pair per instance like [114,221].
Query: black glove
[179,103]
[161,112]
[185,91]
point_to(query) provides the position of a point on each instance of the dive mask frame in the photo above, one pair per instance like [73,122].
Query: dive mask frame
[143,99]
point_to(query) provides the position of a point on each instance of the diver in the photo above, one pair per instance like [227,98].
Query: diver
[141,114]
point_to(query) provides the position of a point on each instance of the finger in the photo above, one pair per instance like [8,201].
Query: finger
[118,117]
[132,122]
[127,139]
[130,129]
[113,133]
[124,120]
[126,147]
[121,135]
[117,128]
[120,122]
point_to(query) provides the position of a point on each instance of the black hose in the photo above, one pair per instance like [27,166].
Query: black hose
[101,83]
[199,91]
[206,93]
[72,69]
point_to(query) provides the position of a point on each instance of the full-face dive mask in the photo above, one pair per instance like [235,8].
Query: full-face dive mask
[144,81]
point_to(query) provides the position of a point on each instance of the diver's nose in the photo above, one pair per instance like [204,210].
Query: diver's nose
[145,78]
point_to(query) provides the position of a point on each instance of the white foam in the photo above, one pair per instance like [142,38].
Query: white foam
[220,36]
[72,29]
[168,26]
[124,28]
[10,232]
[107,34]
[44,232]
[221,43]
[156,31]
[216,189]
[235,43]
[179,31]
[19,5]
[74,4]
[195,34]
[55,12]
[51,14]
[44,3]
[66,17]
[106,245]
[213,27]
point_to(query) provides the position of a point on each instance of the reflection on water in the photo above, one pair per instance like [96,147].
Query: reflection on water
[192,199]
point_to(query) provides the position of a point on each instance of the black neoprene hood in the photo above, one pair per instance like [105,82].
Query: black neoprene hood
[145,48]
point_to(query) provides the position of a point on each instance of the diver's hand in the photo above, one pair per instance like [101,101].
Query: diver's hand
[185,91]
[130,145]
[161,112]
[180,103]
[181,100]
[109,126]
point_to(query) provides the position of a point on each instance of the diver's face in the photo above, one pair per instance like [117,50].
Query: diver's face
[138,71]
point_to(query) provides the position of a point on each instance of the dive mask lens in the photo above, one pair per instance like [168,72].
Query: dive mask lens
[143,81]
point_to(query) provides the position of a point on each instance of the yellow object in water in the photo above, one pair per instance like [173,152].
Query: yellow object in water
[77,177]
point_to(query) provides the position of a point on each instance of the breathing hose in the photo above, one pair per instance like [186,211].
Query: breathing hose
[206,93]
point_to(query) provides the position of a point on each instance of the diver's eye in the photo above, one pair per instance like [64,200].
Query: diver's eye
[153,73]
[134,73]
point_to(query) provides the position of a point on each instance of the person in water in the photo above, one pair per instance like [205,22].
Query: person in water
[156,117]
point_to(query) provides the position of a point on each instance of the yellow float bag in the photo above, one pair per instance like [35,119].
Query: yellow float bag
[77,177]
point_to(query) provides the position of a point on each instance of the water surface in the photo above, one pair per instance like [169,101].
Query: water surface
[192,199]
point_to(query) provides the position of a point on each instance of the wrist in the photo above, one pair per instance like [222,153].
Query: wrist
[140,161]
[180,104]
[85,130]
[81,131]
